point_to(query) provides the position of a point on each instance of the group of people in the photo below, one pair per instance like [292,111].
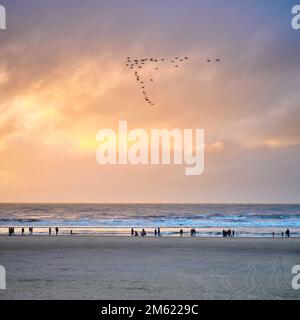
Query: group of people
[287,233]
[193,232]
[56,231]
[134,233]
[228,233]
[157,233]
[11,231]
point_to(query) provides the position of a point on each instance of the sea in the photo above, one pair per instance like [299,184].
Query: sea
[247,220]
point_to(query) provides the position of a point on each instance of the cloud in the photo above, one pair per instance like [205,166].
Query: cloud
[62,78]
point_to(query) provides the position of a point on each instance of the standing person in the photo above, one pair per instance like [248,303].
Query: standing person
[282,234]
[155,232]
[287,233]
[232,233]
[181,232]
[132,232]
[158,232]
[23,230]
[56,231]
[273,234]
[50,231]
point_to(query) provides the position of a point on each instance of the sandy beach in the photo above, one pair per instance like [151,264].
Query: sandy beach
[91,267]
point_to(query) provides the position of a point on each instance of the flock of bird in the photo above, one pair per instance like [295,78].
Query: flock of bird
[136,65]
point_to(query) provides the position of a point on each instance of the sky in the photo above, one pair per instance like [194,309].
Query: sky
[63,78]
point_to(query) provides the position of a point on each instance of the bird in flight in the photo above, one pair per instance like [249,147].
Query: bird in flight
[139,65]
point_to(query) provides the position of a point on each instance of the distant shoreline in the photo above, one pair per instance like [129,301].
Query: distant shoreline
[172,232]
[208,219]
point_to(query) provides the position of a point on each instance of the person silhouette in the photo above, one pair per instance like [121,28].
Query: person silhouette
[181,232]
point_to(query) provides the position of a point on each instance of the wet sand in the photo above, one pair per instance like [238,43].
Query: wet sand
[91,267]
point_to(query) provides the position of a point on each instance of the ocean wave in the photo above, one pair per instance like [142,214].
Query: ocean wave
[150,215]
[12,220]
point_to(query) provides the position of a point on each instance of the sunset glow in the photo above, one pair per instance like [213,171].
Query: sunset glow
[56,97]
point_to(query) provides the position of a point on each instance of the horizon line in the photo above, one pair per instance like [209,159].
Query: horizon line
[156,203]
